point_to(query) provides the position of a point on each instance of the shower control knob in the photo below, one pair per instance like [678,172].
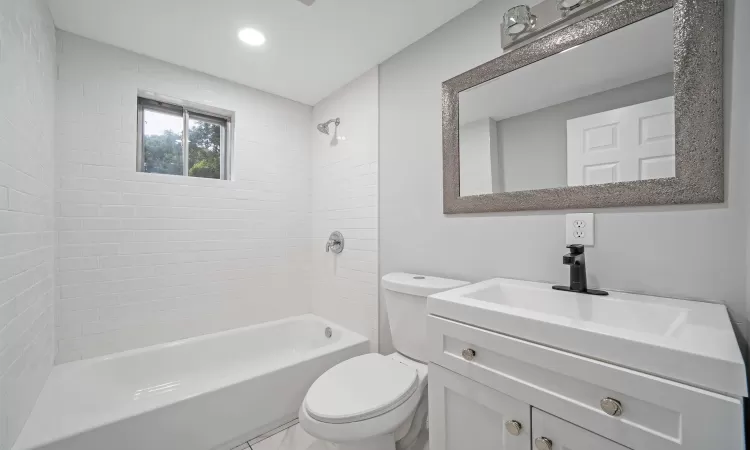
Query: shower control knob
[542,443]
[513,427]
[469,354]
[611,407]
[335,243]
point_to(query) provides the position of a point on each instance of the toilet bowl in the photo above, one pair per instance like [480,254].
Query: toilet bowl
[377,402]
[363,401]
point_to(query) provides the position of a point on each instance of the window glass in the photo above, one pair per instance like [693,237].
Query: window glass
[204,143]
[162,142]
[176,140]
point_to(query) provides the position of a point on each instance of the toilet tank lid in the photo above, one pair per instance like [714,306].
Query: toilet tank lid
[421,285]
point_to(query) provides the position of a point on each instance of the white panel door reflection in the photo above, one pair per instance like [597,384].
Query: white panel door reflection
[626,144]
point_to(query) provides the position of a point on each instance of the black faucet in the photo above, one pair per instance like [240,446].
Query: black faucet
[577,262]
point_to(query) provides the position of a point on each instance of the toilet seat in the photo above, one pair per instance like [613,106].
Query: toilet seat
[360,388]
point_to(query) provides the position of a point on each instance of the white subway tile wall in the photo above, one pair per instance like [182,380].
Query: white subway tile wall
[148,258]
[345,198]
[27,238]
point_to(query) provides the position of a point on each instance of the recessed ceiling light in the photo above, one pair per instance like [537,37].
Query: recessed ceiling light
[251,36]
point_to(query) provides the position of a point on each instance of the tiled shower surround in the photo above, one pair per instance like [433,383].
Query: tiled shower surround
[27,238]
[345,198]
[149,258]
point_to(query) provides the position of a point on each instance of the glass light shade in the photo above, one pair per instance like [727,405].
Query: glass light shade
[518,19]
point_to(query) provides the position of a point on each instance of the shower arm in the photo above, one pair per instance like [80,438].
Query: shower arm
[323,127]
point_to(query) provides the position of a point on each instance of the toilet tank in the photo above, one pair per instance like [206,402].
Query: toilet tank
[406,302]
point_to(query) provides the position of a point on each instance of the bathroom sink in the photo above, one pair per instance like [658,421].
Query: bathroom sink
[687,341]
[611,311]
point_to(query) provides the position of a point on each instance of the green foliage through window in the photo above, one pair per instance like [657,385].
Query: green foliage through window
[163,129]
[204,158]
[162,153]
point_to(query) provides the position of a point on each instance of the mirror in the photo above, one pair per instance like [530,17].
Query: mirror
[597,113]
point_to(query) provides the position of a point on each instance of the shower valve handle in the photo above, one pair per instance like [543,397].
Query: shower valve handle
[335,243]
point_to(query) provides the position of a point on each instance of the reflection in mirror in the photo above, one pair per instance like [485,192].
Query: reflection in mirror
[602,112]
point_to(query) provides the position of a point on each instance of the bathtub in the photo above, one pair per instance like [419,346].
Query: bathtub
[197,394]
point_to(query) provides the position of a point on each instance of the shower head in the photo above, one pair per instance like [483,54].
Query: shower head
[324,127]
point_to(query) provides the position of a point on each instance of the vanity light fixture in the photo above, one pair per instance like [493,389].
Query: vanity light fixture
[252,37]
[523,24]
[518,19]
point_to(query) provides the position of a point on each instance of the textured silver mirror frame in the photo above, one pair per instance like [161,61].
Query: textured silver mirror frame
[699,114]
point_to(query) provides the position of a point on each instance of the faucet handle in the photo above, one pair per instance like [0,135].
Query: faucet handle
[335,243]
[576,249]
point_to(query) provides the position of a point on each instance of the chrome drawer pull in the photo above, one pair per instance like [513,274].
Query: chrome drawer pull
[542,443]
[514,427]
[469,354]
[611,407]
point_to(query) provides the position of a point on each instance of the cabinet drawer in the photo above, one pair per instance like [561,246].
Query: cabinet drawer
[656,413]
[563,435]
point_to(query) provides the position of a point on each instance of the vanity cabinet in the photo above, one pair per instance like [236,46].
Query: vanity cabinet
[480,381]
[466,414]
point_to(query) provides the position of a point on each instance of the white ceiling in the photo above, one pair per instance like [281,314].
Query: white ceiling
[310,51]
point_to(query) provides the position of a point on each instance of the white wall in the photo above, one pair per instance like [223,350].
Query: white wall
[148,258]
[738,107]
[344,198]
[27,97]
[697,252]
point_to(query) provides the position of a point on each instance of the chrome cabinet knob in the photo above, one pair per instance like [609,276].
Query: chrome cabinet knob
[513,427]
[469,354]
[542,443]
[611,407]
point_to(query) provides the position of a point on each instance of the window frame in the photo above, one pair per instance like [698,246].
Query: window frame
[187,113]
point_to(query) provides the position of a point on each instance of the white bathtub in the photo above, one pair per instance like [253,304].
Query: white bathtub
[195,394]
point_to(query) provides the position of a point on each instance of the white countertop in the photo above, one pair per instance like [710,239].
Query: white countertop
[686,341]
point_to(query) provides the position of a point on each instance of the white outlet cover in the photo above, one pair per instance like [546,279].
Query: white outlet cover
[579,229]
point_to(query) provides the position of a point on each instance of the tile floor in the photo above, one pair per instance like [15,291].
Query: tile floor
[292,438]
[295,438]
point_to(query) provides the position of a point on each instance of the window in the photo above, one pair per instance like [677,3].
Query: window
[165,147]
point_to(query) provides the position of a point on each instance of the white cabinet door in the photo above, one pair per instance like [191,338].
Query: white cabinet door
[553,433]
[467,415]
[627,144]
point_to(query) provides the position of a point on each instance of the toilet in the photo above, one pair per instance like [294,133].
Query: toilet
[377,402]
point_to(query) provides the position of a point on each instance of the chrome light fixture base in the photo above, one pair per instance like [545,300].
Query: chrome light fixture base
[523,24]
[570,5]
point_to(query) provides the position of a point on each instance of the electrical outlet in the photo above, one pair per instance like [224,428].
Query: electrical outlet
[579,229]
